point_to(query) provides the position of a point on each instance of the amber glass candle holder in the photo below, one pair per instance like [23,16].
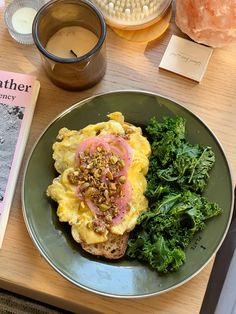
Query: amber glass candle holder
[67,68]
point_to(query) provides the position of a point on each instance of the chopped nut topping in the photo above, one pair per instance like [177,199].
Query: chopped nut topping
[122,179]
[128,131]
[97,177]
[104,207]
[106,194]
[73,177]
[98,225]
[121,163]
[112,186]
[91,191]
[110,175]
[84,186]
[113,159]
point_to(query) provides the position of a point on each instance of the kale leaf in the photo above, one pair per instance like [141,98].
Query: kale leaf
[178,173]
[174,160]
[164,232]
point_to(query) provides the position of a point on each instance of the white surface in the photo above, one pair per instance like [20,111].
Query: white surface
[186,58]
[22,20]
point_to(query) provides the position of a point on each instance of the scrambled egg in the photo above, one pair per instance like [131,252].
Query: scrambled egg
[75,211]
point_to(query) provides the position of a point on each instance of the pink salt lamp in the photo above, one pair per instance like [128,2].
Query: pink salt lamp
[210,22]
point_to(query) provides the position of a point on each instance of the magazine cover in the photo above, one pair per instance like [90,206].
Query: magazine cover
[18,95]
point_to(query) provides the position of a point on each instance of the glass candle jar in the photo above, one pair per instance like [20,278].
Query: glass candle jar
[19,16]
[70,36]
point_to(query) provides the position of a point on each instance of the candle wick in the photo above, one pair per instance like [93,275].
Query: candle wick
[73,53]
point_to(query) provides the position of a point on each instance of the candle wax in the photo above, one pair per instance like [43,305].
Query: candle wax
[22,20]
[71,42]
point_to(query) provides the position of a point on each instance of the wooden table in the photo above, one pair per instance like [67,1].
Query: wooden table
[130,66]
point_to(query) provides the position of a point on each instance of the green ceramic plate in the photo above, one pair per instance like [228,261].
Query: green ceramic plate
[123,278]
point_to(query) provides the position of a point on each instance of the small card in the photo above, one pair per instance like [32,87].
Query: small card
[186,58]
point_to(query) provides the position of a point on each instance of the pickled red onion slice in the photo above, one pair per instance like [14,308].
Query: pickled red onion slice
[120,148]
[93,207]
[90,144]
[122,202]
[113,143]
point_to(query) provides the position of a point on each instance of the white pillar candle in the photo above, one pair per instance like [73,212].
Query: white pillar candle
[71,41]
[22,20]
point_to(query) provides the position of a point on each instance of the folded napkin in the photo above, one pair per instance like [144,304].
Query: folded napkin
[220,296]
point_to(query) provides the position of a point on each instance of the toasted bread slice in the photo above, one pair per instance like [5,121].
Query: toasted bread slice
[113,248]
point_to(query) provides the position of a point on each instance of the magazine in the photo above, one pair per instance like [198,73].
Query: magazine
[18,96]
